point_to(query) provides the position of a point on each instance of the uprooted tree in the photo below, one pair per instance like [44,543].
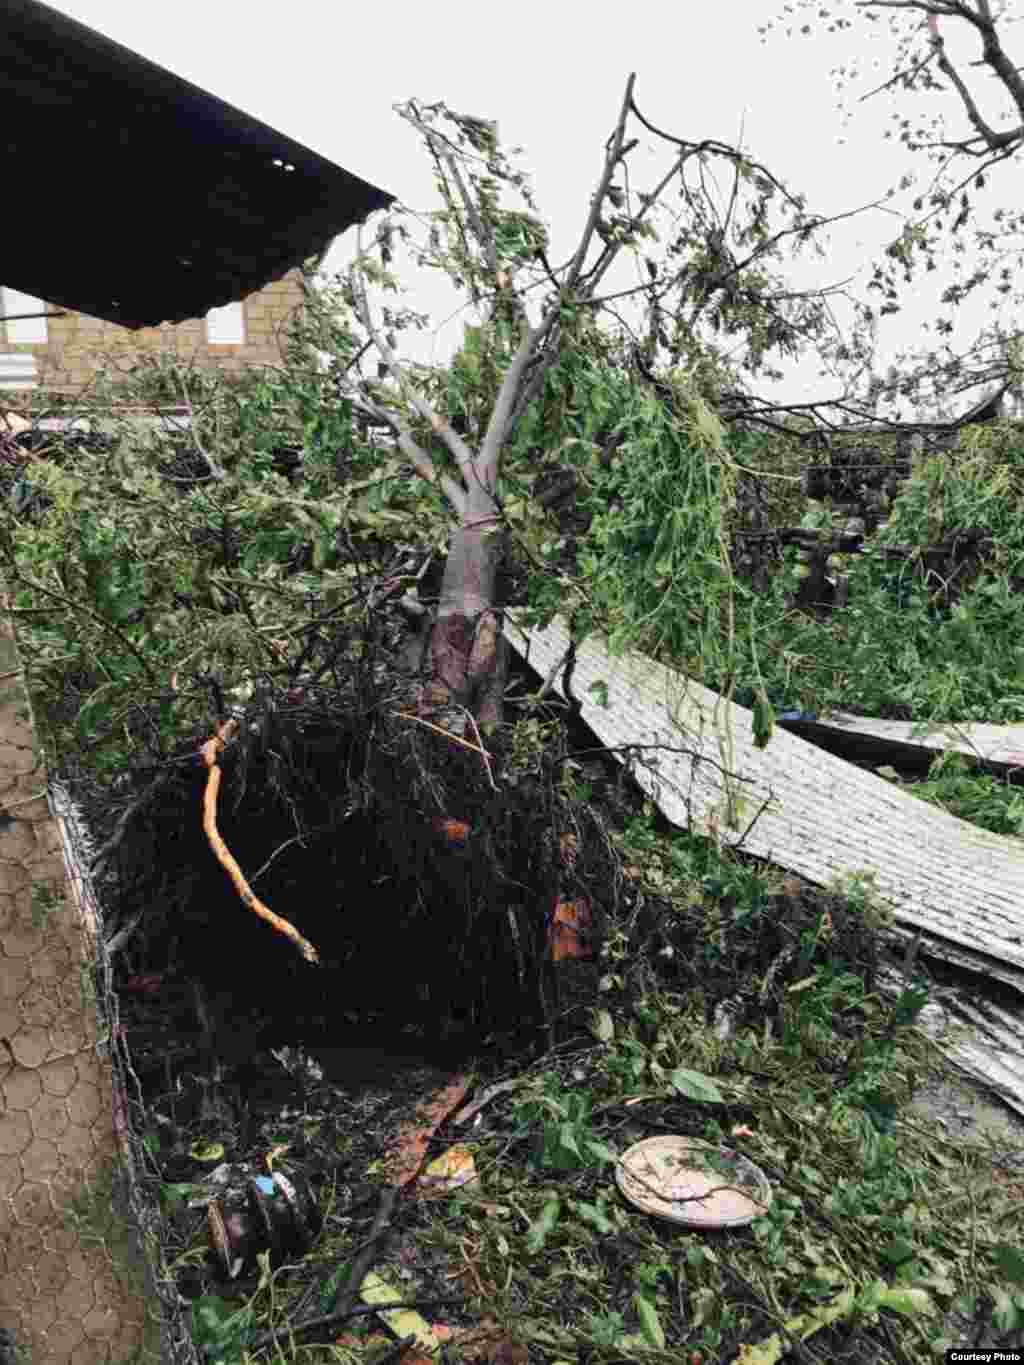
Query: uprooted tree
[150,587]
[163,584]
[712,283]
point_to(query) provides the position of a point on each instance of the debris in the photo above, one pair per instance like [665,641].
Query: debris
[501,1087]
[360,1280]
[279,1215]
[689,1181]
[899,1299]
[405,1163]
[146,983]
[981,1038]
[958,887]
[450,1171]
[206,1151]
[404,1322]
[454,831]
[998,745]
[570,921]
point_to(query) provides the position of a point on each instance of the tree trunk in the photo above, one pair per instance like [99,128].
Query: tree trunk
[468,656]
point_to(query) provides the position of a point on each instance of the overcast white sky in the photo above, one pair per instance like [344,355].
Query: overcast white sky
[553,75]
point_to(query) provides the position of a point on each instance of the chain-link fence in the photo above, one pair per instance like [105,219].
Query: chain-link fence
[137,1195]
[83,1275]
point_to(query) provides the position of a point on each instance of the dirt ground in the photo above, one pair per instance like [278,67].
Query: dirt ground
[71,1289]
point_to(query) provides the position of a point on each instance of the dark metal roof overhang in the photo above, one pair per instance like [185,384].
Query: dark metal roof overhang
[136,197]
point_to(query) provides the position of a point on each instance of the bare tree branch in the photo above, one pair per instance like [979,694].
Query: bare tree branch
[900,77]
[461,452]
[994,55]
[413,452]
[500,423]
[596,203]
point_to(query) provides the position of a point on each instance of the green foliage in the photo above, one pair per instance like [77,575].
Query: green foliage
[565,1142]
[220,1331]
[896,648]
[696,1086]
[542,1228]
[128,578]
[653,569]
[956,785]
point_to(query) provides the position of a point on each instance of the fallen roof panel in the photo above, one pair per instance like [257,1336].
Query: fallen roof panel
[996,744]
[137,197]
[980,1037]
[815,814]
[793,804]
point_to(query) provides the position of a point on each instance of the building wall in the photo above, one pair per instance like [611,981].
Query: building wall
[65,352]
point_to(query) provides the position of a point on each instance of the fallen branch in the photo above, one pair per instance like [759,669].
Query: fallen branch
[209,752]
[483,752]
[372,1247]
[473,748]
[364,1310]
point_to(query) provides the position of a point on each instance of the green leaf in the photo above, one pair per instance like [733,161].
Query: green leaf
[764,719]
[599,691]
[602,1026]
[219,1329]
[595,1215]
[707,424]
[907,1301]
[696,1086]
[898,1251]
[567,1140]
[1007,1315]
[601,1150]
[174,1195]
[619,640]
[540,1230]
[1010,1260]
[881,1111]
[650,1325]
[771,1350]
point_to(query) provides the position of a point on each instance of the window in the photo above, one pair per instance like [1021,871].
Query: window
[26,329]
[226,326]
[18,370]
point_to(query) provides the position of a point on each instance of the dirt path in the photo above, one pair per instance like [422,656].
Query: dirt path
[71,1289]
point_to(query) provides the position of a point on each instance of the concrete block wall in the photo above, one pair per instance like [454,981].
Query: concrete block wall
[76,344]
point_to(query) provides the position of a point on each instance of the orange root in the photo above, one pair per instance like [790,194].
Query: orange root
[209,751]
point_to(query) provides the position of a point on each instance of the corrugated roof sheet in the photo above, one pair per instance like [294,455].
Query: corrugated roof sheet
[802,809]
[134,196]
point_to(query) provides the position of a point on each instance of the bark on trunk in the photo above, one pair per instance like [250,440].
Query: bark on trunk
[467,653]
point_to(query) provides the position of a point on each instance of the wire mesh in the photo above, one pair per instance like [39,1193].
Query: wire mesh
[138,1193]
